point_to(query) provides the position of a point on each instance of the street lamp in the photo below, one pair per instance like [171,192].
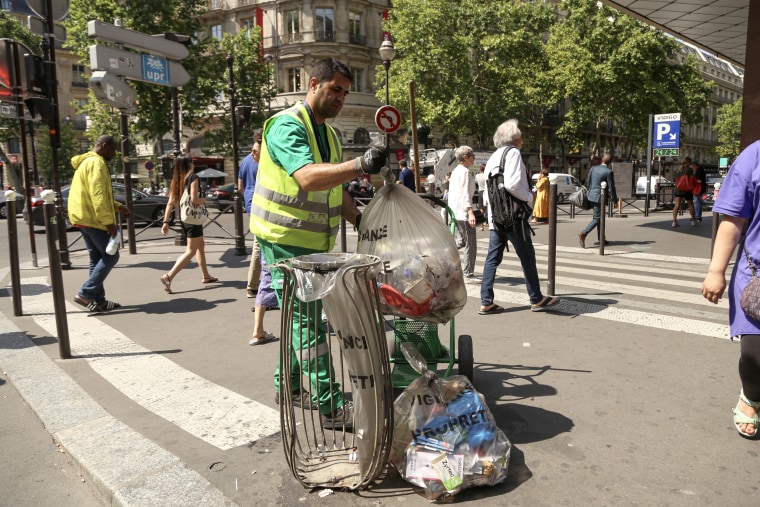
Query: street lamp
[268,59]
[387,52]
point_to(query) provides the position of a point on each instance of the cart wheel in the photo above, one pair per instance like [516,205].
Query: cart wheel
[464,356]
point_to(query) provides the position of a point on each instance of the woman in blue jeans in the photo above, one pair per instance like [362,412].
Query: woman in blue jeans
[508,141]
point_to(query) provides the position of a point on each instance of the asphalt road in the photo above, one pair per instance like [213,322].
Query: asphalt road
[620,396]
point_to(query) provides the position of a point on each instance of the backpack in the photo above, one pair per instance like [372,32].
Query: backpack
[508,213]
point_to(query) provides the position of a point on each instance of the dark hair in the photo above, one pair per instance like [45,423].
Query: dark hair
[325,69]
[402,162]
[181,173]
[104,140]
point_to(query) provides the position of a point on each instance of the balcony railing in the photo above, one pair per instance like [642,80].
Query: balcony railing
[356,38]
[243,3]
[324,35]
[289,38]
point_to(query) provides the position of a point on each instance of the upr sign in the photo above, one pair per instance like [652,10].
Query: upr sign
[667,130]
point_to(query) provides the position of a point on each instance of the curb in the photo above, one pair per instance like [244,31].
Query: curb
[124,467]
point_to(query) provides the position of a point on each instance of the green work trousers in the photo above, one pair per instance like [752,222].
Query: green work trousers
[309,337]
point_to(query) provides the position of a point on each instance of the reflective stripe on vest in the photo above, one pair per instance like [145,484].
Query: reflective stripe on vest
[284,213]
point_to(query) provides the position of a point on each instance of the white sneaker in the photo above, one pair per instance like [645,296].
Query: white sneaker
[693,222]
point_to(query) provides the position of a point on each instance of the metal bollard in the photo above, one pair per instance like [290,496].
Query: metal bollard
[552,253]
[56,275]
[602,216]
[10,203]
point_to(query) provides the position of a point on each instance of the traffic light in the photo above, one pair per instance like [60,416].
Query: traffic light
[36,78]
[39,106]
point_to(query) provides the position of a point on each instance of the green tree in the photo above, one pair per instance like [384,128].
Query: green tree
[729,128]
[615,71]
[69,148]
[202,100]
[474,64]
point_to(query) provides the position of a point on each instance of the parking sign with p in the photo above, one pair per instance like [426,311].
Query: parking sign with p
[667,130]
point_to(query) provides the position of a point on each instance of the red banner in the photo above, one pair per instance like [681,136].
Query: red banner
[548,159]
[572,160]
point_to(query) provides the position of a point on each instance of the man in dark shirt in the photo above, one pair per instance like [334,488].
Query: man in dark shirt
[406,177]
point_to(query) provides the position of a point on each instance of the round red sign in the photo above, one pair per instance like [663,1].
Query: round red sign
[388,119]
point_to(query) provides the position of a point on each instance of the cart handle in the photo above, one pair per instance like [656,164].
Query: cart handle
[440,202]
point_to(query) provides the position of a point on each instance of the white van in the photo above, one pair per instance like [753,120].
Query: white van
[566,184]
[654,185]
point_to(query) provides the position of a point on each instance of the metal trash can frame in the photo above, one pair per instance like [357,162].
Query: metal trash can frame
[334,458]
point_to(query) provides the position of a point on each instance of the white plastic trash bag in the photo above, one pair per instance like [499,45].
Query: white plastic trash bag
[423,277]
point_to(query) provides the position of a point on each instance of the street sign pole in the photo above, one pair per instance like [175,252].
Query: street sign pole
[649,166]
[239,236]
[26,173]
[54,127]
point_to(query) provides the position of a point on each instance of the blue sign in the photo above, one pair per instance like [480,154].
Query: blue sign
[155,69]
[667,130]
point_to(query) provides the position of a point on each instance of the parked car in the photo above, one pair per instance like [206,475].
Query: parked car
[145,207]
[566,184]
[19,204]
[221,197]
[656,182]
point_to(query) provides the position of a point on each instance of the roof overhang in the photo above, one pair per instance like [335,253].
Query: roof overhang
[718,26]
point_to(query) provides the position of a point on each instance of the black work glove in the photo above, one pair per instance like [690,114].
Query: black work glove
[373,160]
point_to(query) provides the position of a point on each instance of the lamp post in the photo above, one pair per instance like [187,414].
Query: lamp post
[268,59]
[387,52]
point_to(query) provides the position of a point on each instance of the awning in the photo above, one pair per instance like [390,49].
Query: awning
[210,173]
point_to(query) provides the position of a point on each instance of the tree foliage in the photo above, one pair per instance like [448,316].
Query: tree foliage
[615,70]
[468,61]
[69,148]
[202,99]
[478,63]
[729,128]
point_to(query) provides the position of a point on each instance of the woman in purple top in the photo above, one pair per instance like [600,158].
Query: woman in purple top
[739,203]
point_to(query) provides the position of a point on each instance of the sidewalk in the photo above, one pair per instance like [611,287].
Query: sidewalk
[561,387]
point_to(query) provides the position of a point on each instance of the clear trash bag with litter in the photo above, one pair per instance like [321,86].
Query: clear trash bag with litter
[445,438]
[423,277]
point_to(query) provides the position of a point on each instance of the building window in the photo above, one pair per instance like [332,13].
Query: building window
[79,79]
[294,79]
[355,29]
[361,137]
[13,145]
[216,32]
[247,27]
[292,26]
[323,24]
[358,84]
[216,5]
[80,120]
[84,145]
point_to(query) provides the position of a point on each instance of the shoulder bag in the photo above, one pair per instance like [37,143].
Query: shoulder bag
[750,298]
[190,213]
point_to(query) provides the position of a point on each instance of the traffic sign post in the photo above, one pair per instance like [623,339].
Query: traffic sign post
[388,119]
[667,130]
[113,90]
[667,152]
[138,67]
[136,40]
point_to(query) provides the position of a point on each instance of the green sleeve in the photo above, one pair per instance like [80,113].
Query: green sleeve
[288,144]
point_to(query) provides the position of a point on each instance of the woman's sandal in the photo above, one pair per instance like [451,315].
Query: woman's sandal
[167,283]
[742,418]
[210,279]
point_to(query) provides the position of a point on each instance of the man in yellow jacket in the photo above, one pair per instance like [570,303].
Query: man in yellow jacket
[296,210]
[92,208]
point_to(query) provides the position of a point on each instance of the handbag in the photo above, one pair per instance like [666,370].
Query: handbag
[750,298]
[580,198]
[685,183]
[190,213]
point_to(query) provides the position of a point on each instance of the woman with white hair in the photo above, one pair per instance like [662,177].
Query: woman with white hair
[461,191]
[508,141]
